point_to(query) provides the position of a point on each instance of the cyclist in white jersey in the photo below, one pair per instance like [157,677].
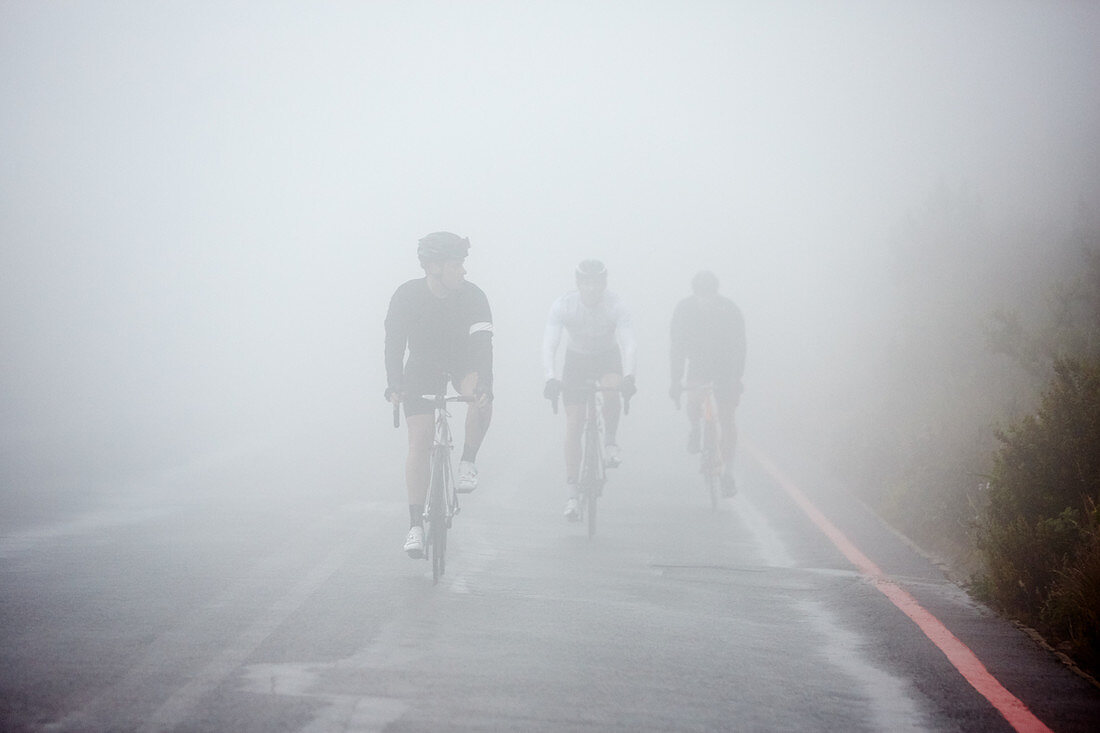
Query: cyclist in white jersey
[600,348]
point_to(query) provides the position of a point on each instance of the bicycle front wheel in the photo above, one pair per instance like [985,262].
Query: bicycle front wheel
[591,483]
[437,524]
[439,549]
[711,461]
[592,468]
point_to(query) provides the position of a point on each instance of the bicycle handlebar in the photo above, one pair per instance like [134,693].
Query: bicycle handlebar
[437,400]
[440,399]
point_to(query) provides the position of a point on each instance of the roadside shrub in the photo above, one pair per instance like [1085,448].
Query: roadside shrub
[1074,602]
[1040,537]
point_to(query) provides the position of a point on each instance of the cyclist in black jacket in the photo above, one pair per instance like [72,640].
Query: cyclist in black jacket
[708,332]
[444,324]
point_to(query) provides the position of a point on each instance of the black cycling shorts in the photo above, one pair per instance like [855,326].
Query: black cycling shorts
[580,369]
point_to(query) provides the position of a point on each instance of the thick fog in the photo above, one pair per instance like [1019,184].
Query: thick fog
[206,206]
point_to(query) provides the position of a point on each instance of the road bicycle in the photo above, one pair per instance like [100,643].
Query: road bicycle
[593,470]
[441,504]
[711,463]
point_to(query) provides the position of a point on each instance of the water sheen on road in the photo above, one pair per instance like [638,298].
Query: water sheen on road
[217,612]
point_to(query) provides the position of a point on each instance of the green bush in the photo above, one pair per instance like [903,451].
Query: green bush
[1074,603]
[1040,536]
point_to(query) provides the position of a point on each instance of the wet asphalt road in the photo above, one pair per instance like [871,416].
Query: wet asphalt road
[227,598]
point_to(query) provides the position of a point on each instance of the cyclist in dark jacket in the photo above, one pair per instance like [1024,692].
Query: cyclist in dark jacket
[708,333]
[444,325]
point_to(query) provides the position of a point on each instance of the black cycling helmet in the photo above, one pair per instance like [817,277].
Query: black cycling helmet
[705,282]
[591,270]
[442,246]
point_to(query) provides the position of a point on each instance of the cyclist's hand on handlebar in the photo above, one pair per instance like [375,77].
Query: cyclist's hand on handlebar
[627,387]
[552,390]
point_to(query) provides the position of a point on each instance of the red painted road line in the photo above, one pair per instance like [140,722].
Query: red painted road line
[959,654]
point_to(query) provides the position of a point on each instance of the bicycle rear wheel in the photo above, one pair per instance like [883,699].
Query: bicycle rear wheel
[710,480]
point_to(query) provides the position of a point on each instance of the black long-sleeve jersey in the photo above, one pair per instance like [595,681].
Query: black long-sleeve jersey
[452,335]
[710,334]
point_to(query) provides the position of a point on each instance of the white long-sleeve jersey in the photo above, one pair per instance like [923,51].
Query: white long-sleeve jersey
[591,330]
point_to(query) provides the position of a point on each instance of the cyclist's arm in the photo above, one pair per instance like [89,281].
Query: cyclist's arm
[481,349]
[481,341]
[397,339]
[551,337]
[739,344]
[624,329]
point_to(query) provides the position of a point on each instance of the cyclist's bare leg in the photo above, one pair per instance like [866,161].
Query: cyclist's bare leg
[574,423]
[611,405]
[417,463]
[478,416]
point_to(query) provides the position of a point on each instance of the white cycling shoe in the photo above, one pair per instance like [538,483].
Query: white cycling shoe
[467,477]
[572,509]
[612,456]
[414,542]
